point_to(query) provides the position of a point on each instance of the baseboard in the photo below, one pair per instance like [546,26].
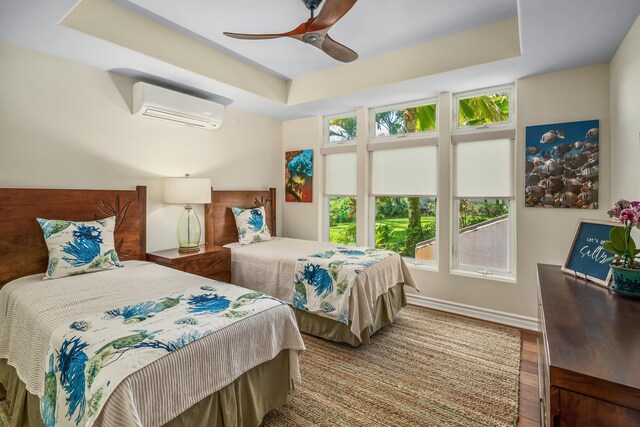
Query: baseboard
[515,320]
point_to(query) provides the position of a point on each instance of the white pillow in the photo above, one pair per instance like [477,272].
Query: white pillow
[79,247]
[252,225]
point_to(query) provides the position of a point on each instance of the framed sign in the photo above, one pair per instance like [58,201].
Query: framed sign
[586,258]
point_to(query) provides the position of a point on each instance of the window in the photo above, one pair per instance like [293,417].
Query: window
[404,186]
[341,129]
[483,234]
[403,120]
[342,220]
[483,205]
[340,197]
[485,108]
[407,225]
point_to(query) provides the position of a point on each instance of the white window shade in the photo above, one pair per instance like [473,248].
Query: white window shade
[405,172]
[341,174]
[484,169]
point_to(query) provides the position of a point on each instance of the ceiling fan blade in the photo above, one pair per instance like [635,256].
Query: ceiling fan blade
[331,13]
[295,33]
[336,50]
[254,36]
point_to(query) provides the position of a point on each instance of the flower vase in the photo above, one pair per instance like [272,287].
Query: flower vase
[626,281]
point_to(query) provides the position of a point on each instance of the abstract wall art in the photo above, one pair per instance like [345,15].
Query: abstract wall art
[298,178]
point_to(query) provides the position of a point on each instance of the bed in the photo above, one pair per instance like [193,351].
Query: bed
[270,266]
[184,387]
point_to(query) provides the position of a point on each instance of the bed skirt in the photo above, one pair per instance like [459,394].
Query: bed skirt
[385,310]
[244,402]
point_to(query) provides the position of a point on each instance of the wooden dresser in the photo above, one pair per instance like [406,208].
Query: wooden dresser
[589,353]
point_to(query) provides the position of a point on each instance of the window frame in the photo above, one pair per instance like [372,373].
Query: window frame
[511,124]
[326,220]
[326,125]
[470,134]
[409,136]
[371,239]
[326,234]
[508,274]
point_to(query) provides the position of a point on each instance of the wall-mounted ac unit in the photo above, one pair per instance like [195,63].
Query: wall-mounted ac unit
[164,104]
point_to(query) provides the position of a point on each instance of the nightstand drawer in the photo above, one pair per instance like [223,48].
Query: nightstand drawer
[212,262]
[211,266]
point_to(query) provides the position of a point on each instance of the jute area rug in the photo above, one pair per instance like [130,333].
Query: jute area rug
[427,369]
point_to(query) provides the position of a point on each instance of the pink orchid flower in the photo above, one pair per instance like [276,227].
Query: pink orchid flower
[628,215]
[623,204]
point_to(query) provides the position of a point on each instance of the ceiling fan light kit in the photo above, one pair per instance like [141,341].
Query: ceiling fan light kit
[315,30]
[312,38]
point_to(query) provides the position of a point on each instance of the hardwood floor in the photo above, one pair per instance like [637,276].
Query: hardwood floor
[529,395]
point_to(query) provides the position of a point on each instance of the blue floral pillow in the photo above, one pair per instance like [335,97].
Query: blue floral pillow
[252,226]
[79,247]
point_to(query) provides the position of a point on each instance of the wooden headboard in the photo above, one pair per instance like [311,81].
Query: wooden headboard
[22,247]
[219,222]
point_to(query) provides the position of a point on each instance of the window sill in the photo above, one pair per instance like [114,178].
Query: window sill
[498,277]
[341,143]
[427,134]
[423,266]
[484,128]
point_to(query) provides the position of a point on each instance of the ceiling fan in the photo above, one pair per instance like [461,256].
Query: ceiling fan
[314,31]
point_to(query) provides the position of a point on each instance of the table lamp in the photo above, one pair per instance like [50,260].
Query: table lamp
[187,191]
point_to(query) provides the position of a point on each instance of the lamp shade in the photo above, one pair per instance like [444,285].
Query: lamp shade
[186,190]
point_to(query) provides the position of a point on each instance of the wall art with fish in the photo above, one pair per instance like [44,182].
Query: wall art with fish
[298,178]
[562,165]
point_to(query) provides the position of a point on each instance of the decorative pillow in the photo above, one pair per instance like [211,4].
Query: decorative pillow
[79,247]
[251,224]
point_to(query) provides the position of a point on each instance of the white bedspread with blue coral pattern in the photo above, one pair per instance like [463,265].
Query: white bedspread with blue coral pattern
[323,281]
[89,357]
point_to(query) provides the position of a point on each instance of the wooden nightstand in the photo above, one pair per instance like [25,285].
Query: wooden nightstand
[213,262]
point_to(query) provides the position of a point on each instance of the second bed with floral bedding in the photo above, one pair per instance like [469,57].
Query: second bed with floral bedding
[341,293]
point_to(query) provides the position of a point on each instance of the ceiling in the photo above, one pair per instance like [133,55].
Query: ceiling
[553,35]
[370,28]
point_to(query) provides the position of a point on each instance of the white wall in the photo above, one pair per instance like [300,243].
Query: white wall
[625,117]
[543,235]
[303,220]
[66,125]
